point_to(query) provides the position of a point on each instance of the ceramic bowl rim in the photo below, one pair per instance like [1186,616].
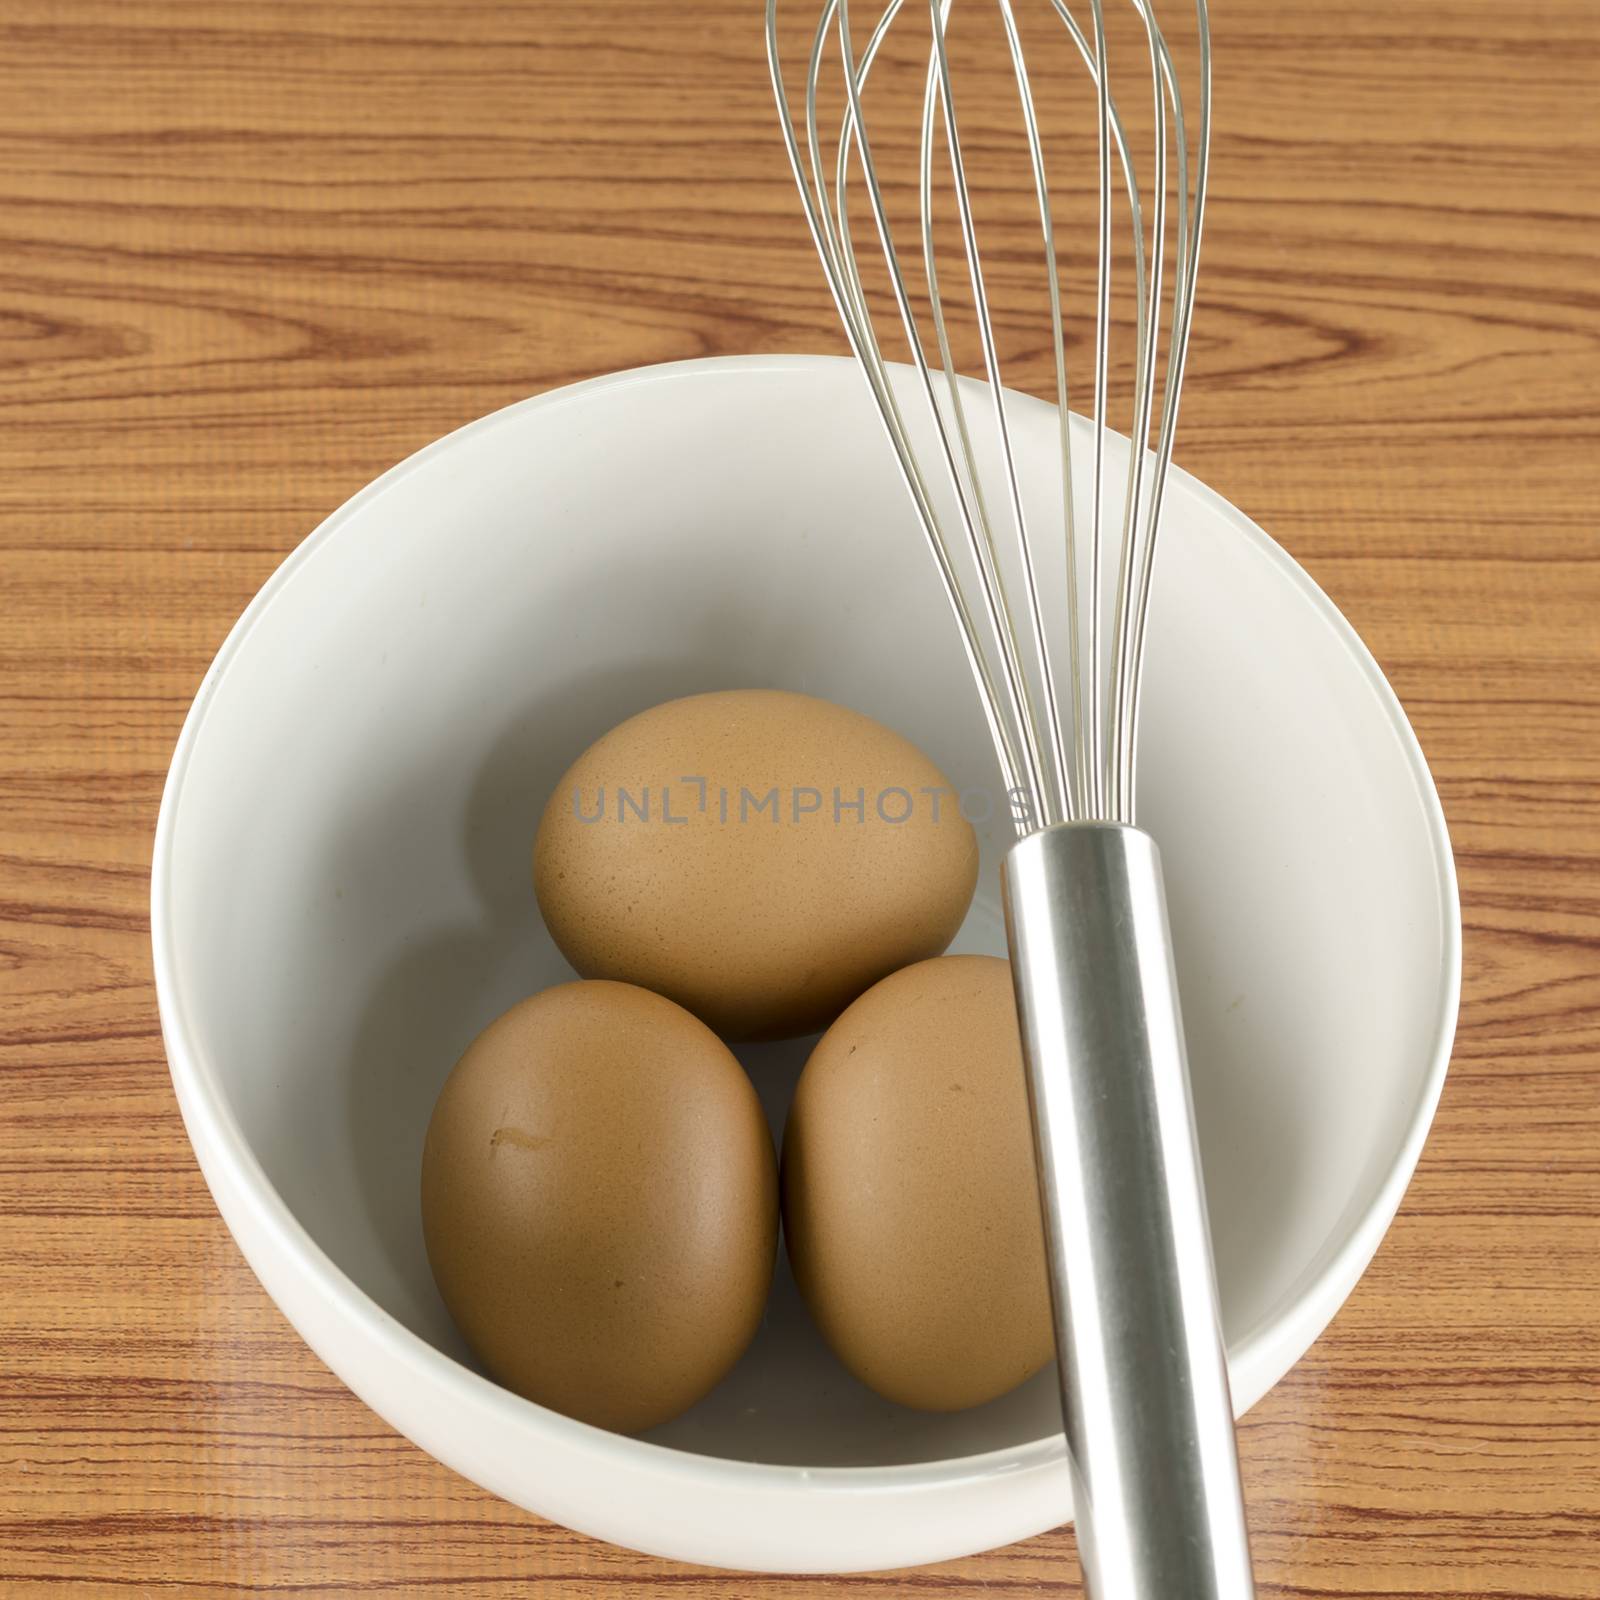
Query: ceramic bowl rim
[214,1130]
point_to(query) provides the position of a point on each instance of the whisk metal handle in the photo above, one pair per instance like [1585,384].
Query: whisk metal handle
[1149,1421]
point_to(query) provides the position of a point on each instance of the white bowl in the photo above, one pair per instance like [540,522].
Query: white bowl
[341,899]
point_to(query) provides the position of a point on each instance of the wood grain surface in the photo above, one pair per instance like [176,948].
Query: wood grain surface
[251,255]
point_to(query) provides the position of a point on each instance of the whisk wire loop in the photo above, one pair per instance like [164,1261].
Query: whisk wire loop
[979,539]
[1052,807]
[1071,755]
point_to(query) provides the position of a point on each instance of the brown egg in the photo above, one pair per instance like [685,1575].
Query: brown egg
[910,1207]
[599,1201]
[758,856]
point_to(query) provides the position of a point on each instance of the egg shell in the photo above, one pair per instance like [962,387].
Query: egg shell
[910,1205]
[764,916]
[599,1203]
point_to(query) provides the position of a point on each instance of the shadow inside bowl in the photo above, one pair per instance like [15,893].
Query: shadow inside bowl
[788,1401]
[445,982]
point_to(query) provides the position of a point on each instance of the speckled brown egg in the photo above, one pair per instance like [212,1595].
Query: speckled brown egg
[599,1202]
[758,856]
[910,1207]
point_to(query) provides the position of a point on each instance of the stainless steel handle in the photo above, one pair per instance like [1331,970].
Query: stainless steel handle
[1149,1422]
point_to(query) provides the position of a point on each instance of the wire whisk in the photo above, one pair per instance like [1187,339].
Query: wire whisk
[1145,1398]
[1071,752]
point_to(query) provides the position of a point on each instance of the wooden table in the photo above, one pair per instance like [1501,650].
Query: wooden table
[250,255]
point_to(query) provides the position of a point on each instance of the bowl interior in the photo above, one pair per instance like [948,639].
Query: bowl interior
[350,889]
